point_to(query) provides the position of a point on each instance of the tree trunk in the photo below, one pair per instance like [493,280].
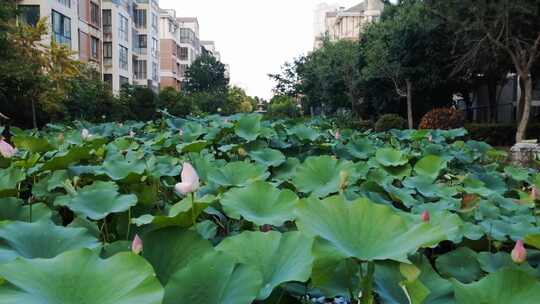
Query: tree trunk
[525,115]
[34,115]
[492,98]
[409,104]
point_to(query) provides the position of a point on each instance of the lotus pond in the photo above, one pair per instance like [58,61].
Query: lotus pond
[238,210]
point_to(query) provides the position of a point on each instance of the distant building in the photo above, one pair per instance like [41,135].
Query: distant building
[128,41]
[348,24]
[210,48]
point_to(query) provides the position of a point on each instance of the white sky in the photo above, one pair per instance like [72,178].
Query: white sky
[254,36]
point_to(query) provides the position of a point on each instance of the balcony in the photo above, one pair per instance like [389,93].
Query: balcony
[107,62]
[140,51]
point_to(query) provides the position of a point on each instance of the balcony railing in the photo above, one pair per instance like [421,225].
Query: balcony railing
[107,61]
[140,51]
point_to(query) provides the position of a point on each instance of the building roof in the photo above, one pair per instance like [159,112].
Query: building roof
[187,19]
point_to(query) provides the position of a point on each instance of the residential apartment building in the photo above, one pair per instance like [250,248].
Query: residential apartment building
[348,24]
[128,41]
[146,44]
[209,47]
[169,35]
[73,23]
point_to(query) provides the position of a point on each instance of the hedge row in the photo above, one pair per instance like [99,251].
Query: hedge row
[500,134]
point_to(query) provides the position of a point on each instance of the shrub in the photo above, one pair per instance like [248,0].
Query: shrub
[390,121]
[500,134]
[443,119]
[283,106]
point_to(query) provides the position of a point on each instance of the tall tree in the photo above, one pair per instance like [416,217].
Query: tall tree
[206,74]
[406,48]
[509,26]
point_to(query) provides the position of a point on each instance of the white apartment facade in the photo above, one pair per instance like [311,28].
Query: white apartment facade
[146,44]
[348,24]
[73,23]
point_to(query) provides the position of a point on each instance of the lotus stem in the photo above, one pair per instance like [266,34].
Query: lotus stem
[193,209]
[367,285]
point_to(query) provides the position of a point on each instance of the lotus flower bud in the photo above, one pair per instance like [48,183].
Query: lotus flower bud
[137,245]
[61,137]
[242,152]
[7,150]
[85,134]
[181,133]
[425,216]
[190,180]
[131,134]
[266,228]
[430,138]
[519,253]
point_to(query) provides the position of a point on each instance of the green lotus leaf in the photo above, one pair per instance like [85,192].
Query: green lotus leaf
[80,277]
[333,273]
[41,240]
[533,240]
[279,257]
[430,166]
[31,143]
[9,179]
[502,287]
[287,170]
[461,264]
[163,166]
[192,147]
[249,127]
[267,157]
[53,181]
[207,229]
[260,203]
[180,214]
[305,133]
[237,174]
[355,228]
[214,278]
[361,148]
[320,175]
[97,200]
[517,174]
[62,160]
[441,291]
[12,209]
[171,249]
[119,168]
[389,157]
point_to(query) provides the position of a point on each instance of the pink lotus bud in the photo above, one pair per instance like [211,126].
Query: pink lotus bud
[137,245]
[181,133]
[190,180]
[61,137]
[6,150]
[430,138]
[425,216]
[85,134]
[131,134]
[266,228]
[534,193]
[337,135]
[519,253]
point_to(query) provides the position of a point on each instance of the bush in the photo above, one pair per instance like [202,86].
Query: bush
[348,120]
[443,119]
[390,121]
[283,106]
[502,135]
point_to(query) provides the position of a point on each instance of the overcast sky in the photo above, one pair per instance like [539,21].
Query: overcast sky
[254,36]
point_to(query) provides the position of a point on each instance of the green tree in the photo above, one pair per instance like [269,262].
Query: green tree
[283,106]
[508,26]
[177,103]
[407,48]
[141,101]
[206,74]
[238,101]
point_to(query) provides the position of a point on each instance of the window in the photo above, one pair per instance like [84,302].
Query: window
[84,46]
[143,41]
[29,14]
[123,58]
[154,71]
[65,2]
[107,50]
[140,18]
[94,48]
[107,78]
[184,53]
[183,69]
[139,69]
[187,35]
[123,28]
[107,18]
[124,81]
[61,28]
[94,13]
